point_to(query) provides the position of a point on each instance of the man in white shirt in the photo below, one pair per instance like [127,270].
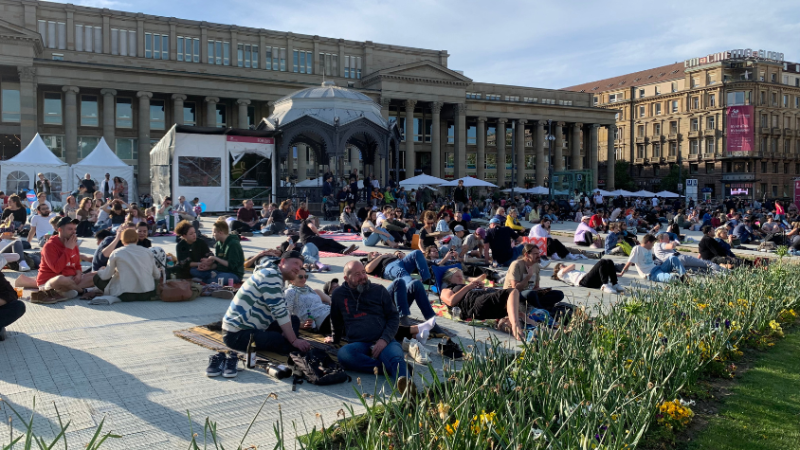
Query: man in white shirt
[41,198]
[40,224]
[665,248]
[654,200]
[598,198]
[381,216]
[107,186]
[642,257]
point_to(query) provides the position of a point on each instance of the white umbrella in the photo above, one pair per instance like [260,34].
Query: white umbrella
[623,193]
[422,180]
[644,193]
[416,186]
[539,190]
[604,193]
[518,190]
[667,194]
[317,182]
[469,182]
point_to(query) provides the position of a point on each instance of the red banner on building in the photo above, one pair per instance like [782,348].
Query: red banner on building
[740,129]
[797,193]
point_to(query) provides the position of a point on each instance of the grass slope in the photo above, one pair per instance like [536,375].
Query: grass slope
[763,410]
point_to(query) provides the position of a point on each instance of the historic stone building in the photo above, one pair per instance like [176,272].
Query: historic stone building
[75,74]
[676,114]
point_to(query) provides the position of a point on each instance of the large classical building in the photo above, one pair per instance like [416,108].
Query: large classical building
[75,74]
[680,113]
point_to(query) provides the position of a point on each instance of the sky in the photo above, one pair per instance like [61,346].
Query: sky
[518,42]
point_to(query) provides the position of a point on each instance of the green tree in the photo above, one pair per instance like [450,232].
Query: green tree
[671,181]
[622,176]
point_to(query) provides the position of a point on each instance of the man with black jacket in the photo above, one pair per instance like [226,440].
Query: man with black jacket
[710,250]
[365,313]
[460,195]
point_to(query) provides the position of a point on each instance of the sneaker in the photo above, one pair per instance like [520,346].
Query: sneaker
[215,363]
[407,343]
[23,266]
[450,349]
[418,352]
[230,365]
[544,262]
[608,289]
[42,297]
[223,294]
[440,332]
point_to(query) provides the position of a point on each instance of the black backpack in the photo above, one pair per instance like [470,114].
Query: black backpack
[318,367]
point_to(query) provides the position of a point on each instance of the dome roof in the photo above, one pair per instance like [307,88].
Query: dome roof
[325,103]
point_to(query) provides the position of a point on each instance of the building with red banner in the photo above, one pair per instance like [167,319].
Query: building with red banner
[731,120]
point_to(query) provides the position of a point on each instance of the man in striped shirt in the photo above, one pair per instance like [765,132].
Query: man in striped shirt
[259,309]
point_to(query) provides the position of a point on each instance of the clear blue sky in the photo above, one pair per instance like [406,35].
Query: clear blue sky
[529,43]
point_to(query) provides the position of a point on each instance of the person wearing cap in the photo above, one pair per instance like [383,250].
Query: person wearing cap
[584,234]
[330,286]
[473,244]
[499,239]
[131,272]
[259,309]
[60,275]
[456,240]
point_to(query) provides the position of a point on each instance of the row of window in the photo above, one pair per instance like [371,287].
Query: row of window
[516,98]
[126,148]
[694,125]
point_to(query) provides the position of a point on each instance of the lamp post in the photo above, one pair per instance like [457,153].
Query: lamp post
[550,139]
[513,157]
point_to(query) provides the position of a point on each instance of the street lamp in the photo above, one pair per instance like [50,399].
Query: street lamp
[513,156]
[550,139]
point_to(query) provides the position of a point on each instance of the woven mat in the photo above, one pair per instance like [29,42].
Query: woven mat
[444,311]
[336,255]
[212,340]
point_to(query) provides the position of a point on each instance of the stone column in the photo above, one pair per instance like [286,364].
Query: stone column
[177,108]
[71,123]
[29,123]
[409,132]
[144,140]
[591,150]
[575,147]
[558,151]
[501,152]
[211,111]
[538,142]
[520,144]
[481,141]
[302,164]
[109,119]
[385,108]
[243,104]
[612,158]
[436,140]
[460,141]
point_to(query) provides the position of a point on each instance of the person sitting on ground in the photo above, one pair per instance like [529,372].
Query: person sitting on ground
[584,234]
[134,214]
[277,220]
[131,272]
[310,234]
[192,253]
[455,241]
[163,213]
[666,248]
[349,221]
[302,212]
[681,220]
[428,219]
[369,328]
[770,227]
[371,234]
[259,309]
[113,242]
[12,248]
[116,214]
[311,306]
[228,258]
[745,233]
[602,275]
[512,221]
[499,239]
[11,307]
[555,249]
[16,210]
[247,217]
[399,230]
[377,196]
[523,275]
[60,274]
[642,257]
[41,198]
[479,303]
[266,211]
[612,239]
[712,249]
[472,245]
[185,210]
[444,222]
[40,225]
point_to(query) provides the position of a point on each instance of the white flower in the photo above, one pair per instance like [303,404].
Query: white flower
[685,403]
[537,433]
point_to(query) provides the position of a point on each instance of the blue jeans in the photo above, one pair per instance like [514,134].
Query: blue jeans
[203,275]
[663,273]
[358,356]
[310,253]
[403,268]
[375,237]
[401,292]
[516,253]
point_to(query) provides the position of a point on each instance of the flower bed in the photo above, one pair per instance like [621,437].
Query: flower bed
[594,384]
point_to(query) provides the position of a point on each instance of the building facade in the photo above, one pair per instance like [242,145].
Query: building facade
[75,74]
[678,115]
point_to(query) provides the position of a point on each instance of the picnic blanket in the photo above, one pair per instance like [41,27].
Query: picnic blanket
[342,237]
[335,255]
[443,311]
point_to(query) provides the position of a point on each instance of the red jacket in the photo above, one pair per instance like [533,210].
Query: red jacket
[596,222]
[58,260]
[301,214]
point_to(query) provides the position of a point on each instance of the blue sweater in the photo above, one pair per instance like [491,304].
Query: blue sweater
[611,241]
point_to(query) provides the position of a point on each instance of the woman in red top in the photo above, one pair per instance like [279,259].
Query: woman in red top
[780,213]
[302,212]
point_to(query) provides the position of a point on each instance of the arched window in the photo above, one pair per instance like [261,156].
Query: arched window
[17,181]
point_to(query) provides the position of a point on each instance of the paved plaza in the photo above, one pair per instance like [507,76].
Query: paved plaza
[123,363]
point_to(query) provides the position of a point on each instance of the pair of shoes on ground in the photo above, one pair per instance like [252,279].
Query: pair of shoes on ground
[52,296]
[612,289]
[224,294]
[450,349]
[416,350]
[222,364]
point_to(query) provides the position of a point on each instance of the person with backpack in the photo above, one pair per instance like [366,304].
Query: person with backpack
[364,313]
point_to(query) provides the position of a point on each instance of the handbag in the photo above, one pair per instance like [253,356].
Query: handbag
[175,290]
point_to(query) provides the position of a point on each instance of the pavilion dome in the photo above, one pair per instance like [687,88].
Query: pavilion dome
[325,103]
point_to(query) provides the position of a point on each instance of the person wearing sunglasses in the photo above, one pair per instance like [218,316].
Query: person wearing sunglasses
[349,220]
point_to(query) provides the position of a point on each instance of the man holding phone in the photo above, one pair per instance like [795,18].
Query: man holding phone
[523,275]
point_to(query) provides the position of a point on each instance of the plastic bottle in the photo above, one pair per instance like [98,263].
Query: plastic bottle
[251,352]
[581,267]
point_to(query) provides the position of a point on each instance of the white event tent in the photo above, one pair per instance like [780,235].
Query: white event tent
[101,161]
[19,173]
[667,194]
[644,193]
[469,182]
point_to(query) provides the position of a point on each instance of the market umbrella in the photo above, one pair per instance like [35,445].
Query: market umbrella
[422,180]
[644,193]
[539,190]
[469,182]
[623,193]
[667,194]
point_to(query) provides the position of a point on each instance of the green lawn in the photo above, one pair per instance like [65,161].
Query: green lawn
[763,410]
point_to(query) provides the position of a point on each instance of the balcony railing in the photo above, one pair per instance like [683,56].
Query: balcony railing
[709,132]
[694,133]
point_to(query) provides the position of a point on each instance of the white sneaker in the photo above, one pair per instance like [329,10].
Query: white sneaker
[608,289]
[543,263]
[23,266]
[407,343]
[619,288]
[418,352]
[555,257]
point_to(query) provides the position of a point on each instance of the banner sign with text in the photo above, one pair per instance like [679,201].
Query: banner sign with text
[740,129]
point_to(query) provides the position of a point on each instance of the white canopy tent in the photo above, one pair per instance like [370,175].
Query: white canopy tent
[539,190]
[469,182]
[19,173]
[644,193]
[604,193]
[422,180]
[667,194]
[101,161]
[623,193]
[316,182]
